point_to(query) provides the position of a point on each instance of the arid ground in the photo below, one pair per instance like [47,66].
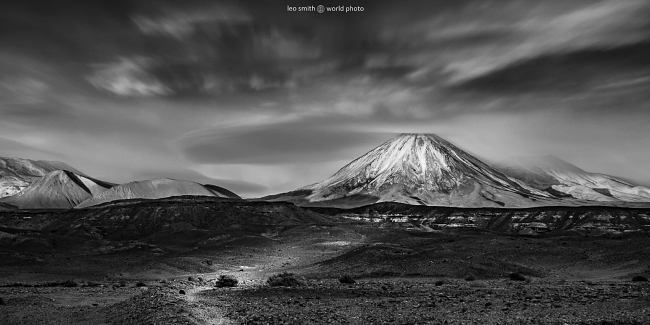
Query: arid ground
[157,262]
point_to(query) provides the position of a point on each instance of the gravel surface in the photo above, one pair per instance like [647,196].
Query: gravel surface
[421,301]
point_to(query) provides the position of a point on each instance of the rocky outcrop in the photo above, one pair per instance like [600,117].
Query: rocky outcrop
[532,221]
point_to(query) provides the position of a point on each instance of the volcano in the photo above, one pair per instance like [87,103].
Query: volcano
[425,169]
[420,169]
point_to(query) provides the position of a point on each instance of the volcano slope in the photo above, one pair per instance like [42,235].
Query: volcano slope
[126,262]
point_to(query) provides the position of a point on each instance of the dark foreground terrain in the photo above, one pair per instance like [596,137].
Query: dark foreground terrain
[146,262]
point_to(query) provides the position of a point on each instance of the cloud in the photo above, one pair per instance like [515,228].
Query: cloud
[127,77]
[285,45]
[610,23]
[241,187]
[12,148]
[238,186]
[237,59]
[472,38]
[243,90]
[364,96]
[182,22]
[276,178]
[280,143]
[22,90]
[569,72]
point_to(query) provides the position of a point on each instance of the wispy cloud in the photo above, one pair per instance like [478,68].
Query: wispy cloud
[243,90]
[127,77]
[604,24]
[182,22]
[22,90]
[277,143]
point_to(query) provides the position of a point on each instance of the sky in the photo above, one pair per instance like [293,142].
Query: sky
[252,97]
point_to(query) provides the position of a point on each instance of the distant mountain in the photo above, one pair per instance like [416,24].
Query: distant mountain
[16,173]
[416,169]
[555,175]
[40,184]
[419,169]
[424,169]
[60,189]
[156,189]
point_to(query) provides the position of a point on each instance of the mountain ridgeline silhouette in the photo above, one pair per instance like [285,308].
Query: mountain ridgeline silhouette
[417,169]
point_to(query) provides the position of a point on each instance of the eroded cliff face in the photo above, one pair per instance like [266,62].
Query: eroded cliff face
[531,221]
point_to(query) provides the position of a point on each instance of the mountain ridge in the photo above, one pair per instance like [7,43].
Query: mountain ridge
[425,169]
[156,189]
[411,168]
[16,174]
[567,178]
[60,189]
[40,184]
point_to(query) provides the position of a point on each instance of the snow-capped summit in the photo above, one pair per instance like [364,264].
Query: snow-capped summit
[425,169]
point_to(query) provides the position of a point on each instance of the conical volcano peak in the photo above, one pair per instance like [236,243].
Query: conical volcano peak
[417,158]
[421,168]
[412,153]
